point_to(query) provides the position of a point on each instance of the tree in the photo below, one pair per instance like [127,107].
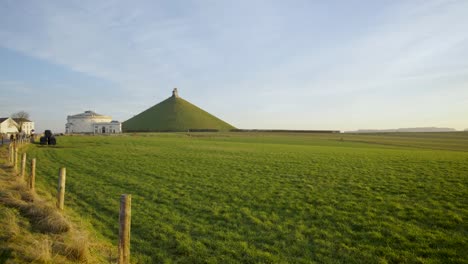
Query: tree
[20,117]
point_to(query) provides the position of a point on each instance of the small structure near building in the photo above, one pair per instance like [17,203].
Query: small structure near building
[90,122]
[108,128]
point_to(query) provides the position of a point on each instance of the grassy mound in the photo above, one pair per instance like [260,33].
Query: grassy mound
[174,114]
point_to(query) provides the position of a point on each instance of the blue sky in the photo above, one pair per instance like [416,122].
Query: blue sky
[256,64]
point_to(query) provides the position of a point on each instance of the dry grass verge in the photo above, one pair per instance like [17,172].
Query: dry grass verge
[32,230]
[42,217]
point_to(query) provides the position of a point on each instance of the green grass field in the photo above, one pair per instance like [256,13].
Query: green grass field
[272,198]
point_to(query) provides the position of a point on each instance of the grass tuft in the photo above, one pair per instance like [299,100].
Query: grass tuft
[74,245]
[8,220]
[45,219]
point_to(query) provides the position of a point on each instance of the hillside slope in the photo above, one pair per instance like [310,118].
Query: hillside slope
[174,114]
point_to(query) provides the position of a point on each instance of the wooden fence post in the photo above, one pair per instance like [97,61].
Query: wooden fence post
[12,155]
[9,152]
[23,166]
[61,188]
[124,230]
[15,161]
[32,179]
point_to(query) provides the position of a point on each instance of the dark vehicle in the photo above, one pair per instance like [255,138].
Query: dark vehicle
[48,133]
[43,141]
[48,139]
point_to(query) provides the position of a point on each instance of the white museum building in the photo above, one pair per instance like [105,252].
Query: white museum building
[90,122]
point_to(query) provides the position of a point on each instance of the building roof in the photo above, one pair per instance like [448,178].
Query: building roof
[3,119]
[21,120]
[90,114]
[107,123]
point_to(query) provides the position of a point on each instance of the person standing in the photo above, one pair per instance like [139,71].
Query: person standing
[32,136]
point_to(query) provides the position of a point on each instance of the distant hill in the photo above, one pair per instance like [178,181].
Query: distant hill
[414,129]
[174,114]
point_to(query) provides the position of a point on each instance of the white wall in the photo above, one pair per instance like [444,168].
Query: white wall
[109,128]
[83,125]
[8,127]
[26,127]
